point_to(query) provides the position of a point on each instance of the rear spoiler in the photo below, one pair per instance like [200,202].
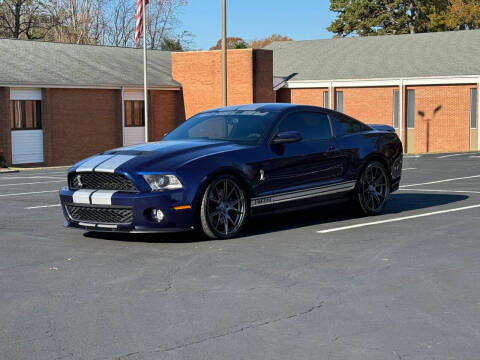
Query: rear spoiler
[387,128]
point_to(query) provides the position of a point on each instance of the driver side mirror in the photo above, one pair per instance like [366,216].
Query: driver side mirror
[287,137]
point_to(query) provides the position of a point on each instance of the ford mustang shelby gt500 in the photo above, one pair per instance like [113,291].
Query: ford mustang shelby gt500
[224,165]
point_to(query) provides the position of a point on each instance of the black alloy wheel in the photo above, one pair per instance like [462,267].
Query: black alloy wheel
[224,208]
[373,188]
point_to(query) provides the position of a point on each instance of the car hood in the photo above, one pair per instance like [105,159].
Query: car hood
[157,156]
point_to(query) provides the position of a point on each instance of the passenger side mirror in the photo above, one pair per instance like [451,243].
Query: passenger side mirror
[287,137]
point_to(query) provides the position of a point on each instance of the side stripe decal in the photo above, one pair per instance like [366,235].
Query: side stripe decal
[302,194]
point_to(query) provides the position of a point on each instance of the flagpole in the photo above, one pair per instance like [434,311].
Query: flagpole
[224,53]
[145,91]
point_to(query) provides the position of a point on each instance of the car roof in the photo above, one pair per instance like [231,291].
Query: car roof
[268,107]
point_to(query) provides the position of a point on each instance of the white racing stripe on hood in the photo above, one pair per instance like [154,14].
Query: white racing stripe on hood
[102,197]
[110,165]
[82,196]
[89,165]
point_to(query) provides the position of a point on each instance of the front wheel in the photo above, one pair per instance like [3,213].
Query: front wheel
[373,189]
[224,208]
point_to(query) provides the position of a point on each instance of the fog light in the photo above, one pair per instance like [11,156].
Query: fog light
[157,215]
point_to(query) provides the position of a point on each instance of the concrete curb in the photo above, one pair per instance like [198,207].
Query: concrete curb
[8,171]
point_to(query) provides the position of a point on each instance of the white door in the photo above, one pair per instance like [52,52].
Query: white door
[133,135]
[134,118]
[26,126]
[27,146]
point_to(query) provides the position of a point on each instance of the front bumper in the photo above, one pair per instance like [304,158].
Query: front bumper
[140,204]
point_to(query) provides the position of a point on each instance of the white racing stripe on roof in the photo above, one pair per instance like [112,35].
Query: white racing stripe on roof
[89,165]
[102,197]
[110,165]
[82,196]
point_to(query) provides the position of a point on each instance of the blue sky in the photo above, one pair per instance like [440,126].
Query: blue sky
[249,19]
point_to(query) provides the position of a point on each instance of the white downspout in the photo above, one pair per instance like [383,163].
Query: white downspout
[123,116]
[400,112]
[478,114]
[331,104]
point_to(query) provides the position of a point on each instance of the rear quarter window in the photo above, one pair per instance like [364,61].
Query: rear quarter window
[345,125]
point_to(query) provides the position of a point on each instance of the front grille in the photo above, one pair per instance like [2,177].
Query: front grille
[100,181]
[100,215]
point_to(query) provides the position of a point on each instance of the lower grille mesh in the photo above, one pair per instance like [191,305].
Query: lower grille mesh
[100,215]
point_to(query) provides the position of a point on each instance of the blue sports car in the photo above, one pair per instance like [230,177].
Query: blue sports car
[224,165]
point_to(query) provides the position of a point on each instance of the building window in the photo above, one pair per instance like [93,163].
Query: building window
[411,109]
[25,114]
[339,101]
[326,101]
[396,102]
[134,113]
[473,108]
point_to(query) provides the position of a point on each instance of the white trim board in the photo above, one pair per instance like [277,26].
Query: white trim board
[442,80]
[105,87]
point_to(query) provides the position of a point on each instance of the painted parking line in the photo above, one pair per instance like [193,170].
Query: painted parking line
[441,181]
[398,219]
[30,193]
[31,177]
[409,169]
[42,206]
[444,191]
[29,172]
[450,155]
[34,183]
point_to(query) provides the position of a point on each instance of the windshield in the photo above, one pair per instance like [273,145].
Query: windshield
[241,127]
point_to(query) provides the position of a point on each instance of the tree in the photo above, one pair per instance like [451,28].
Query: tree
[120,27]
[232,43]
[171,45]
[27,19]
[461,15]
[261,43]
[163,21]
[99,22]
[378,17]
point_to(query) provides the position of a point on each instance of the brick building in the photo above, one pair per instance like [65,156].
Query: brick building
[424,85]
[60,103]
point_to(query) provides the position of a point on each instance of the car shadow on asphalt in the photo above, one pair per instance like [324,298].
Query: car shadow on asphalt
[397,204]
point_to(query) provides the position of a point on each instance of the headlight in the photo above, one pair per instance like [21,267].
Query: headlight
[163,182]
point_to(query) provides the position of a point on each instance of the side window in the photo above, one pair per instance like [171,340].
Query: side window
[347,125]
[311,125]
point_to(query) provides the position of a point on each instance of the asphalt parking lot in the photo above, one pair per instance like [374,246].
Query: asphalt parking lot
[319,284]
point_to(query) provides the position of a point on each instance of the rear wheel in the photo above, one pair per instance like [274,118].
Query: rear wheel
[224,208]
[373,189]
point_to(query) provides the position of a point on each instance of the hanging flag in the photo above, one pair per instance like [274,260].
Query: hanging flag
[139,17]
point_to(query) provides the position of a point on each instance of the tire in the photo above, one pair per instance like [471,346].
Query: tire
[373,189]
[224,208]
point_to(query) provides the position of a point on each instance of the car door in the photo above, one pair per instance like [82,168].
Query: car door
[298,167]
